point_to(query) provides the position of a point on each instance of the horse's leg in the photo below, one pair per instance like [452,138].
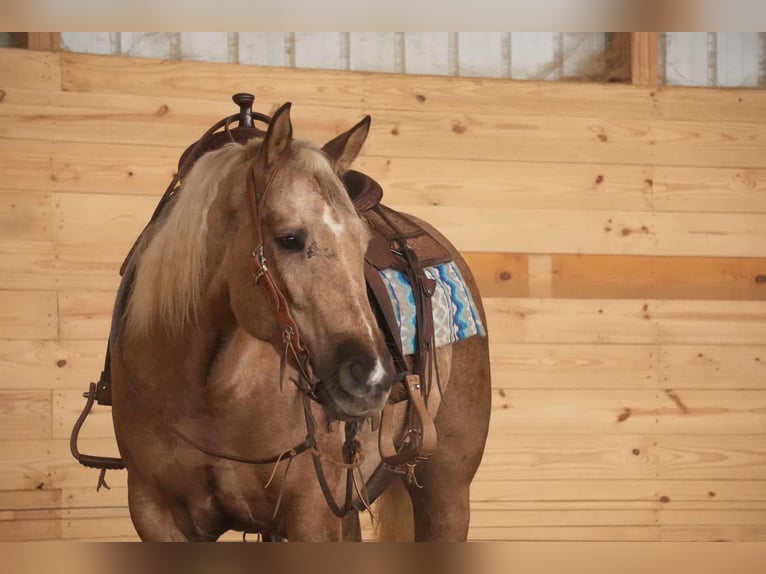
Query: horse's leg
[151,515]
[352,530]
[441,508]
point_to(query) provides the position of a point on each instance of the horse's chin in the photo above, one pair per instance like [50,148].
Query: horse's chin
[340,405]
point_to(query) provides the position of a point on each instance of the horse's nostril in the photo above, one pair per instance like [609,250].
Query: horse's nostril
[358,372]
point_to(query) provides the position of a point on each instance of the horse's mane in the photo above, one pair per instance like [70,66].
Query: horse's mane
[170,261]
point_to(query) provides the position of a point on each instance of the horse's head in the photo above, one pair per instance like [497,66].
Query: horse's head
[314,244]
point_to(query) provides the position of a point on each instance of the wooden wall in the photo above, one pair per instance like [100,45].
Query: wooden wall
[618,233]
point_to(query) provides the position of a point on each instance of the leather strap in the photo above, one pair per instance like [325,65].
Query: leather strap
[261,272]
[421,435]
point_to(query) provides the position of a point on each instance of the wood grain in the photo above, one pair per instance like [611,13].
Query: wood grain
[618,277]
[615,457]
[377,91]
[30,69]
[628,321]
[603,412]
[25,414]
[28,314]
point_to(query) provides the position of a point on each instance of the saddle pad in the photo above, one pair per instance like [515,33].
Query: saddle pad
[455,314]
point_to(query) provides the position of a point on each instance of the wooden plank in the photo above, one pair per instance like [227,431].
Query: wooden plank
[88,73]
[85,314]
[679,493]
[644,457]
[713,533]
[709,189]
[30,530]
[625,321]
[500,274]
[112,169]
[47,41]
[25,414]
[85,267]
[707,143]
[713,366]
[46,464]
[469,182]
[508,137]
[613,533]
[499,518]
[597,232]
[97,168]
[84,498]
[89,529]
[29,499]
[35,364]
[110,221]
[28,314]
[25,165]
[644,58]
[25,216]
[27,266]
[426,53]
[22,68]
[576,411]
[729,105]
[635,277]
[573,366]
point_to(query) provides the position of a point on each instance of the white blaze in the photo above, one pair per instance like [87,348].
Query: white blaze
[329,219]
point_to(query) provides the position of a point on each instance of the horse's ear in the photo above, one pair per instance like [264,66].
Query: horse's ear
[279,135]
[343,149]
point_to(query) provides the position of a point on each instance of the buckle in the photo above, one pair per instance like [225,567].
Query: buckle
[260,260]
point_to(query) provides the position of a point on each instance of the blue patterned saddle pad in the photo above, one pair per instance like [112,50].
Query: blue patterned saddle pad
[455,314]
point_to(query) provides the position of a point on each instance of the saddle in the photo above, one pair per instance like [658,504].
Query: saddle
[399,242]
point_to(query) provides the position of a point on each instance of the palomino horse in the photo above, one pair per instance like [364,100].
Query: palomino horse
[197,361]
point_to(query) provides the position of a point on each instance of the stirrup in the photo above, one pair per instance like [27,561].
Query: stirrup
[91,461]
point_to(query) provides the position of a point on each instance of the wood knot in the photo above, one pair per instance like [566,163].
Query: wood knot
[61,363]
[664,499]
[711,494]
[2,95]
[600,179]
[420,98]
[162,110]
[760,279]
[505,276]
[603,137]
[636,451]
[624,415]
[458,127]
[395,131]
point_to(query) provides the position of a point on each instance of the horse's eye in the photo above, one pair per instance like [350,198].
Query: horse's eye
[292,241]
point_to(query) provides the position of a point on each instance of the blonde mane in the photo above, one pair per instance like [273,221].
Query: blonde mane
[170,268]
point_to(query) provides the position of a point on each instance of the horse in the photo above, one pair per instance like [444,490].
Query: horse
[210,428]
